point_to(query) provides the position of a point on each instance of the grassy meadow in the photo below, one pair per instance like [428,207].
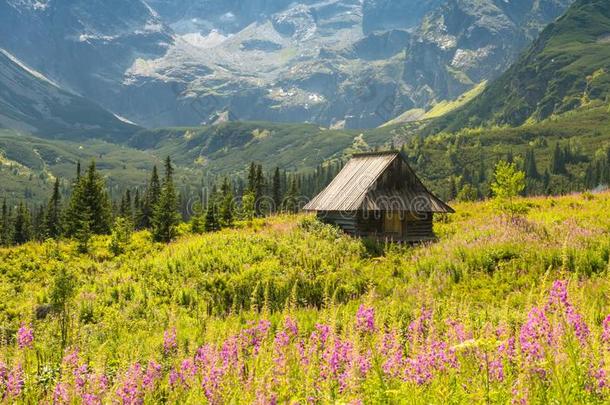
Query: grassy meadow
[287,310]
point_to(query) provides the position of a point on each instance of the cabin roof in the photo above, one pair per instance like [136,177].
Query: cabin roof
[353,189]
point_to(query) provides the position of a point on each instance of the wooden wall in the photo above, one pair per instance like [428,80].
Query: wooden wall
[370,224]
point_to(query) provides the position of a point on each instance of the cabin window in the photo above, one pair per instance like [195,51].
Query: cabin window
[392,223]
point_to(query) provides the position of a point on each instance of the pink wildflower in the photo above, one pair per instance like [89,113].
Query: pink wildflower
[170,343]
[365,319]
[25,337]
[60,394]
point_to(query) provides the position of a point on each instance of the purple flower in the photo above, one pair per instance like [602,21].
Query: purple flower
[152,375]
[25,337]
[581,330]
[129,390]
[60,394]
[420,326]
[392,352]
[606,331]
[535,334]
[15,381]
[170,343]
[291,326]
[600,377]
[365,319]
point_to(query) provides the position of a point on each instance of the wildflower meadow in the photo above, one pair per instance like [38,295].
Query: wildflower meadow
[287,310]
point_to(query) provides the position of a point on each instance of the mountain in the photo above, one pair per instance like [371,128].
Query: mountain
[31,102]
[85,46]
[336,63]
[566,68]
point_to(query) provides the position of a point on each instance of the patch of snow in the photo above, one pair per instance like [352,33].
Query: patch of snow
[150,9]
[123,119]
[31,71]
[213,39]
[88,37]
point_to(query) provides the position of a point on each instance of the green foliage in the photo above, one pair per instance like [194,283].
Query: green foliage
[89,210]
[248,206]
[564,69]
[121,235]
[483,271]
[61,294]
[53,219]
[508,183]
[166,217]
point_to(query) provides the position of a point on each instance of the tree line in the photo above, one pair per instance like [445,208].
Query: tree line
[158,206]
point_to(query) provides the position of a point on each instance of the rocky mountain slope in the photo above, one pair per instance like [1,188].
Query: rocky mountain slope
[31,102]
[339,63]
[566,68]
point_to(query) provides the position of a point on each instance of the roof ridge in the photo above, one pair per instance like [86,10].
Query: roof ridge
[381,153]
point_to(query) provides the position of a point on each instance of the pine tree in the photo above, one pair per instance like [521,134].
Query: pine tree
[165,216]
[6,236]
[557,161]
[125,210]
[292,195]
[38,224]
[277,190]
[227,207]
[151,199]
[137,210]
[89,204]
[530,167]
[211,219]
[22,228]
[53,219]
[198,219]
[78,171]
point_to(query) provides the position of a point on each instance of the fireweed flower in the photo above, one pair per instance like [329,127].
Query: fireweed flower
[599,376]
[170,343]
[535,334]
[419,328]
[365,319]
[392,352]
[71,359]
[129,389]
[25,337]
[15,381]
[457,331]
[151,376]
[606,331]
[60,394]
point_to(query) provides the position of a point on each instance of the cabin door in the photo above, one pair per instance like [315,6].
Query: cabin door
[392,223]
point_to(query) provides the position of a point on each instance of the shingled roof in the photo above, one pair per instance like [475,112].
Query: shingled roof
[355,189]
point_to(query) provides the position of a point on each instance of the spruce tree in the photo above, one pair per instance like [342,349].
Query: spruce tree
[125,210]
[530,167]
[277,190]
[292,195]
[39,224]
[151,199]
[89,204]
[557,161]
[53,219]
[165,214]
[211,219]
[22,228]
[6,237]
[227,207]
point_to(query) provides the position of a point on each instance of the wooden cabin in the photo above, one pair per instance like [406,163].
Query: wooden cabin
[378,195]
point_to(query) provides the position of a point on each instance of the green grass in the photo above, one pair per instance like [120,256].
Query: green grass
[565,68]
[486,272]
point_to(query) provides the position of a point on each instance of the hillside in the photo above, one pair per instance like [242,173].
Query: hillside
[567,67]
[32,103]
[286,309]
